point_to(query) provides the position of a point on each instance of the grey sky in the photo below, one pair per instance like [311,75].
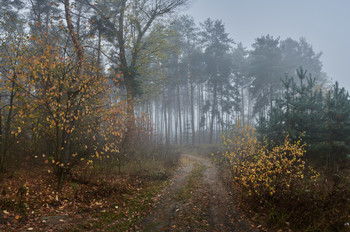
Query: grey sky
[324,23]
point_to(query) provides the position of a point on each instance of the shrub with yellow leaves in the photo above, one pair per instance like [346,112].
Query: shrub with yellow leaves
[261,173]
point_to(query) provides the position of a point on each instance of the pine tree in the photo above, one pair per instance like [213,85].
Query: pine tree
[338,123]
[218,66]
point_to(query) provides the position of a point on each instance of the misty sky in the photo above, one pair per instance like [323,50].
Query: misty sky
[324,23]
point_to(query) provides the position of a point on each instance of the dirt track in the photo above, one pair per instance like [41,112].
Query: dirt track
[196,200]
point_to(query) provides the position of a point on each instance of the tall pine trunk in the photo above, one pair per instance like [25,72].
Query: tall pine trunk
[169,103]
[242,109]
[213,112]
[179,111]
[192,104]
[165,117]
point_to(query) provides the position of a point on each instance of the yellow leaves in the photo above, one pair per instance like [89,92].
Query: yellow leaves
[56,100]
[261,171]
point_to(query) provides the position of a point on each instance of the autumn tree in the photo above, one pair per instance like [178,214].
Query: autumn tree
[12,59]
[57,97]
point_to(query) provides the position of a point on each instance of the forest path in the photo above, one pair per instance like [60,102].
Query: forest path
[196,200]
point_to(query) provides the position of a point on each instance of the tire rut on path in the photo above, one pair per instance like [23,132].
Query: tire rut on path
[207,206]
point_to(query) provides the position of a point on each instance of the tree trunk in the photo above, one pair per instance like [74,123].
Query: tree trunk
[222,113]
[242,109]
[192,106]
[185,119]
[156,118]
[165,117]
[199,113]
[130,110]
[66,141]
[213,112]
[99,50]
[176,111]
[169,103]
[1,138]
[128,75]
[5,137]
[79,49]
[249,116]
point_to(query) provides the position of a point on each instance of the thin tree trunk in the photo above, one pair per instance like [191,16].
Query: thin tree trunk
[176,111]
[249,108]
[1,138]
[165,117]
[207,114]
[161,128]
[199,115]
[213,112]
[222,113]
[169,103]
[192,105]
[99,49]
[186,122]
[242,109]
[179,110]
[6,136]
[156,118]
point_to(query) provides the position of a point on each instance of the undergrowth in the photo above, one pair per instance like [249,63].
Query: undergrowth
[278,186]
[103,196]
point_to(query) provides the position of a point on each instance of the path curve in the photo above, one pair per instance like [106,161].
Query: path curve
[196,200]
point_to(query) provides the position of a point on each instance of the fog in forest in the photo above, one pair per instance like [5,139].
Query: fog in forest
[196,69]
[110,97]
[322,23]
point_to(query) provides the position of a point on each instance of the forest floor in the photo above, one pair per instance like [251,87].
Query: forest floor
[196,200]
[192,198]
